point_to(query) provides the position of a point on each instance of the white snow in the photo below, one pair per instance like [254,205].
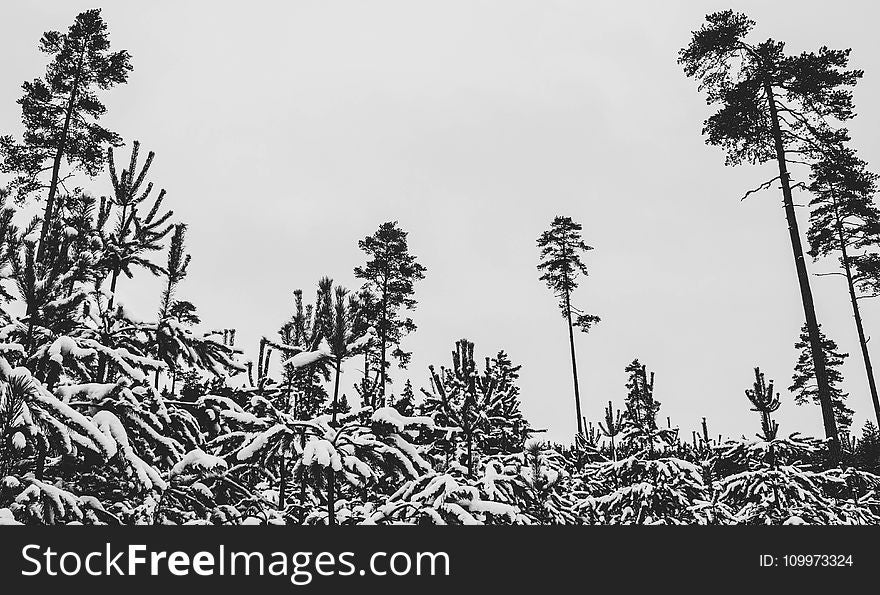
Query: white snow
[321,452]
[199,461]
[64,345]
[307,358]
[19,441]
[146,474]
[259,442]
[6,517]
[390,415]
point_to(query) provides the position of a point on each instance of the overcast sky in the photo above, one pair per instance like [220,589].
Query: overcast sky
[287,131]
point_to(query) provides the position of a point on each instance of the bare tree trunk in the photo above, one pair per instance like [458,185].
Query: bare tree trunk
[383,337]
[574,370]
[804,282]
[470,454]
[366,384]
[59,154]
[282,478]
[302,485]
[336,389]
[41,460]
[331,496]
[857,315]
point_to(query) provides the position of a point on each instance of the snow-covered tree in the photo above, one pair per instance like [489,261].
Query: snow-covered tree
[477,413]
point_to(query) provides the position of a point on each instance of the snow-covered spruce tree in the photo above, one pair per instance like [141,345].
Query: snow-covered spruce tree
[335,462]
[636,490]
[443,498]
[93,440]
[769,481]
[337,321]
[483,475]
[612,427]
[543,486]
[173,313]
[304,392]
[639,427]
[299,395]
[342,331]
[478,412]
[867,451]
[649,485]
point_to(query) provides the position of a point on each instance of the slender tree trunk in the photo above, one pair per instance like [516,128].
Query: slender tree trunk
[30,333]
[113,281]
[574,374]
[41,460]
[857,315]
[114,278]
[383,337]
[574,369]
[804,282]
[336,389]
[366,385]
[331,496]
[59,154]
[650,414]
[282,478]
[470,454]
[286,398]
[302,484]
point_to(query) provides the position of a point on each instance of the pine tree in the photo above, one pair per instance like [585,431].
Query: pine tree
[561,251]
[772,106]
[390,273]
[640,417]
[364,327]
[304,337]
[766,402]
[172,312]
[483,406]
[773,480]
[612,427]
[804,379]
[61,112]
[868,448]
[133,235]
[344,342]
[843,221]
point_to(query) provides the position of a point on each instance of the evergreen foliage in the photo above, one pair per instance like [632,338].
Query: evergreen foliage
[110,419]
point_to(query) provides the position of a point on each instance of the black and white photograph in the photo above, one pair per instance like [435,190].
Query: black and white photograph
[546,267]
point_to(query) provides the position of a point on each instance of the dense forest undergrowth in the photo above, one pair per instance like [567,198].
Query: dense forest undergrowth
[109,419]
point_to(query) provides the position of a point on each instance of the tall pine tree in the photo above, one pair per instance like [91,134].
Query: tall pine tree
[390,273]
[771,106]
[562,249]
[61,112]
[844,221]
